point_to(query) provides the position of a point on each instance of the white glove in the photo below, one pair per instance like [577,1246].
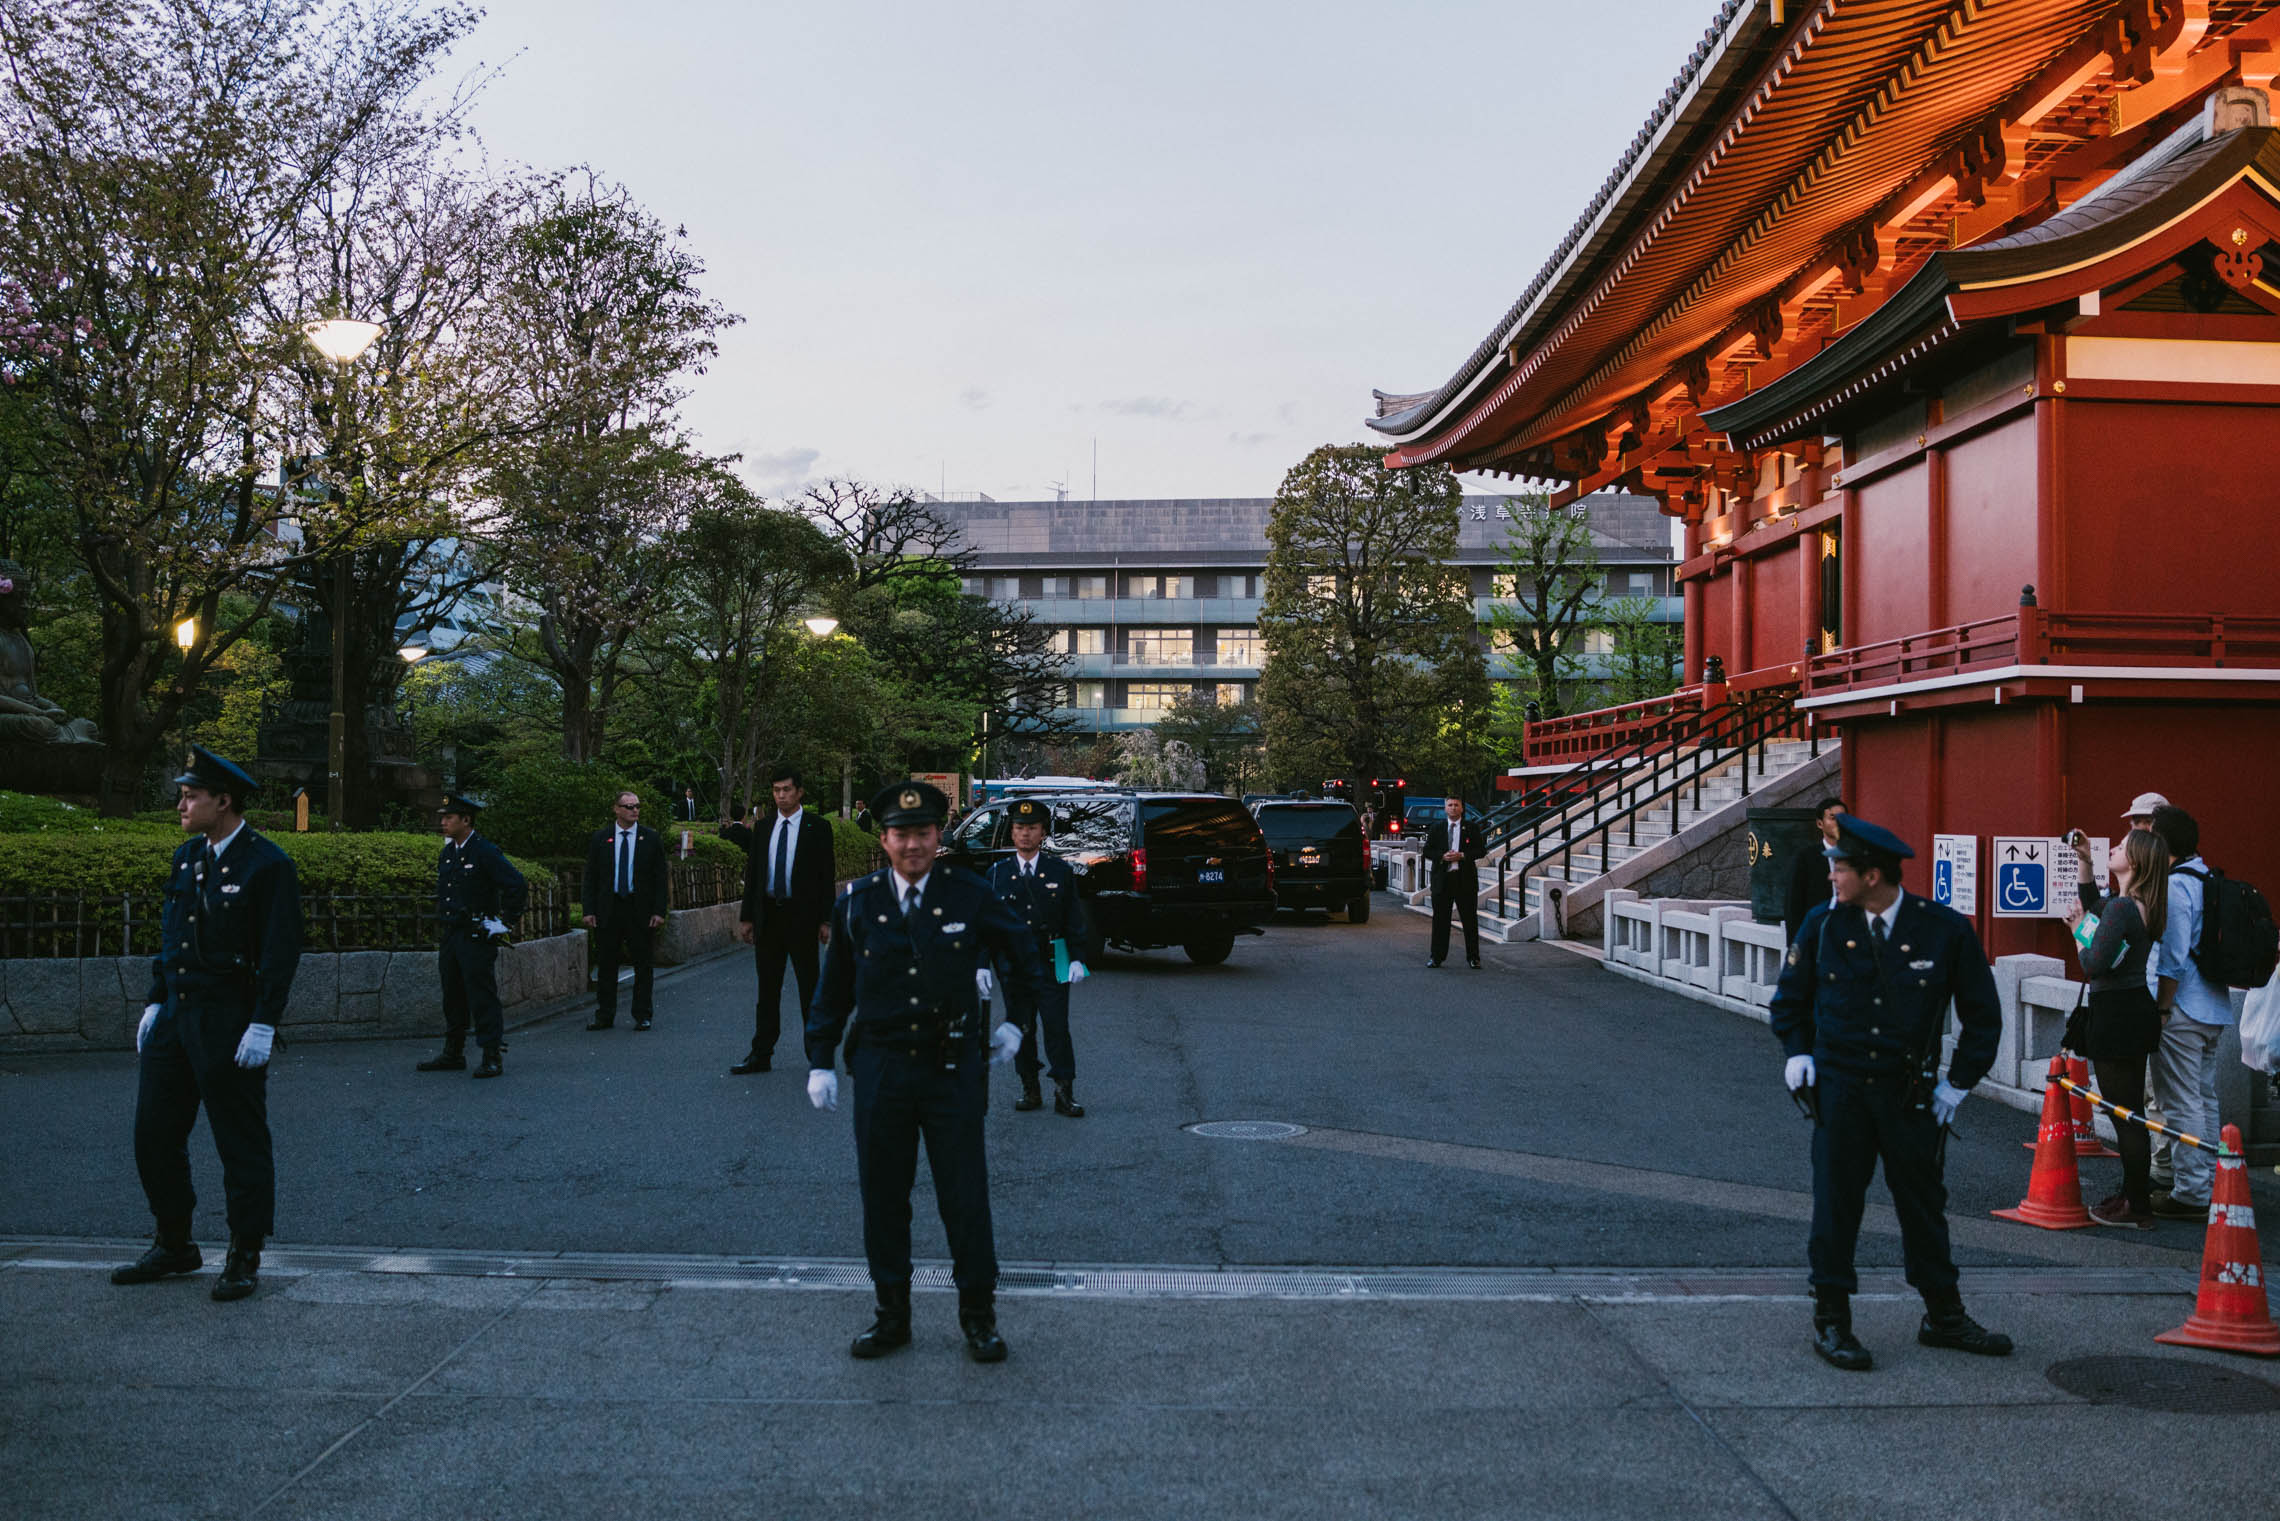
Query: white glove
[494,926]
[983,982]
[1003,1044]
[150,1017]
[1077,972]
[823,1088]
[1798,1073]
[1946,1100]
[253,1051]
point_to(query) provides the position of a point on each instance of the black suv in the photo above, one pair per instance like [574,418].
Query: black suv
[1156,868]
[1320,860]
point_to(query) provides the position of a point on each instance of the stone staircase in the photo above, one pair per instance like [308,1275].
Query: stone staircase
[1701,845]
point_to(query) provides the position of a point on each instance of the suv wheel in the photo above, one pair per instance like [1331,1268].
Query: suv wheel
[1210,952]
[1358,911]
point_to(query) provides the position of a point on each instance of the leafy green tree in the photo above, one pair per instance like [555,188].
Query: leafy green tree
[1371,648]
[155,159]
[1544,588]
[1223,736]
[1644,662]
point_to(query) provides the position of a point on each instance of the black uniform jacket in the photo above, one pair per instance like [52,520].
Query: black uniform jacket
[599,890]
[1470,841]
[1808,885]
[1048,903]
[814,873]
[233,928]
[1833,1005]
[904,985]
[475,881]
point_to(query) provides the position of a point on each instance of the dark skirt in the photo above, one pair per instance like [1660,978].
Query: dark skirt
[2125,1025]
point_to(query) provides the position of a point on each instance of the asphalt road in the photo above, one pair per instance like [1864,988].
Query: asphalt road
[1441,1105]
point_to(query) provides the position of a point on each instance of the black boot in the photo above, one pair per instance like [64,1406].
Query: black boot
[977,1317]
[492,1064]
[891,1327]
[1833,1333]
[1031,1096]
[1946,1325]
[452,1058]
[1065,1103]
[172,1253]
[241,1269]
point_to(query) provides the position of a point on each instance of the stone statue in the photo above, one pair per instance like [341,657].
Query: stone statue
[26,718]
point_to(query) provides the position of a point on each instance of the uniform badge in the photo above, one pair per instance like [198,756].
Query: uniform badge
[229,887]
[909,798]
[1921,966]
[954,928]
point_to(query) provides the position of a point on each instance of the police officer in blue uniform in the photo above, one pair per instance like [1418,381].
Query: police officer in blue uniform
[231,942]
[478,898]
[1861,1009]
[1042,889]
[905,946]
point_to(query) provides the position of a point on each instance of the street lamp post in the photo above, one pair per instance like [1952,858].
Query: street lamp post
[343,342]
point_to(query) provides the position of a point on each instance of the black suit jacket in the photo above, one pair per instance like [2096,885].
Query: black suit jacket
[599,890]
[814,874]
[1469,840]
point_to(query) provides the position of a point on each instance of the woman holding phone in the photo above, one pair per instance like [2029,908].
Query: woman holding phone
[2124,1023]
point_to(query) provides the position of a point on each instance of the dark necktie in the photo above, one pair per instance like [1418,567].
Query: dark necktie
[783,888]
[909,903]
[625,864]
[1876,933]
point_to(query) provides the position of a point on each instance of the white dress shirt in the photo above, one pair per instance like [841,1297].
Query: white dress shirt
[783,842]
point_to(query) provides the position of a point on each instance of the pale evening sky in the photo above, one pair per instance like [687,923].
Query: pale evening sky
[968,240]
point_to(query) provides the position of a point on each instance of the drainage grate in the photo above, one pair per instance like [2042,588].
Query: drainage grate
[2169,1384]
[1246,1130]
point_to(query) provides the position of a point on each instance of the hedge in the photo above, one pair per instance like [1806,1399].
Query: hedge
[99,863]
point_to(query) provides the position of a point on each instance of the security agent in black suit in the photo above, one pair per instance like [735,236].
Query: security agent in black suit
[1809,873]
[906,944]
[1042,889]
[478,898]
[230,943]
[789,873]
[1453,843]
[1861,1009]
[625,901]
[688,808]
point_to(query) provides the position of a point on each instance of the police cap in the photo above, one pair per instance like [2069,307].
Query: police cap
[208,770]
[909,805]
[461,804]
[1859,840]
[1031,810]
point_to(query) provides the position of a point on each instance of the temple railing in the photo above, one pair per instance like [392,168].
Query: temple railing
[1579,736]
[2044,636]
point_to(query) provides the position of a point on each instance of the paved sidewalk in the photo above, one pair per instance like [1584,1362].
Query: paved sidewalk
[705,1391]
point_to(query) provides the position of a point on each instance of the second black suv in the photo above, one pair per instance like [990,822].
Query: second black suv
[1156,868]
[1320,860]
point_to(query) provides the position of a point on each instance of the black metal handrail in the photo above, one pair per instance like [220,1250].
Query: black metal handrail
[1611,769]
[1746,724]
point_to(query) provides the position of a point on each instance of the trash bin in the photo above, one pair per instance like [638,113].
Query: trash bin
[1776,835]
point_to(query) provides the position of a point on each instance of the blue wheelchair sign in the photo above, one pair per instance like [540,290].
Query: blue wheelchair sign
[1943,882]
[2023,887]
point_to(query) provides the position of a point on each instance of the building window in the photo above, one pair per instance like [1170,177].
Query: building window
[1159,587]
[1240,646]
[1154,696]
[1160,646]
[1232,693]
[1642,583]
[1231,586]
[1088,694]
[1325,587]
[1088,586]
[1599,641]
[1080,641]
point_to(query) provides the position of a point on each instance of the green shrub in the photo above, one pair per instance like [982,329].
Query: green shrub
[853,851]
[25,813]
[102,863]
[550,806]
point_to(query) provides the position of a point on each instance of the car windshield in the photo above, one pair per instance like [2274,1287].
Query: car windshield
[1306,826]
[1082,826]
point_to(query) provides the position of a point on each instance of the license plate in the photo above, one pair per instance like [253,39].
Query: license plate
[1211,874]
[1310,858]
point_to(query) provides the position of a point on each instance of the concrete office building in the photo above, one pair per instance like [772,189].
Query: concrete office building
[1155,601]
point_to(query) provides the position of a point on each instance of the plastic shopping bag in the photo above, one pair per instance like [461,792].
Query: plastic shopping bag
[2260,1028]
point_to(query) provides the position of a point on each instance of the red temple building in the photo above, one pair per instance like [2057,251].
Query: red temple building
[1951,331]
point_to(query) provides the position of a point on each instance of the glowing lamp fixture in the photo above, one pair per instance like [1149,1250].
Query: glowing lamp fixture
[341,340]
[186,633]
[412,652]
[822,627]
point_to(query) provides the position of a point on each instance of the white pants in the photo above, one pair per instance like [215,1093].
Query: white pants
[2185,1087]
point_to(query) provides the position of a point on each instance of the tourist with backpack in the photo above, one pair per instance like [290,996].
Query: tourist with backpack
[2218,931]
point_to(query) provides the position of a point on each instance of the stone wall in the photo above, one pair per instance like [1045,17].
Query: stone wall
[94,1004]
[691,933]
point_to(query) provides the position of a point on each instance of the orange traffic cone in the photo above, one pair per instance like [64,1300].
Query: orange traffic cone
[2086,1142]
[2231,1314]
[2054,1188]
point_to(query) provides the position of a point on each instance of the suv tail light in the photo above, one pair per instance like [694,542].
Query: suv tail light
[1140,869]
[1270,873]
[1393,826]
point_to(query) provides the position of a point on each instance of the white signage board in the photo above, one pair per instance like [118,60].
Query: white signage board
[2066,873]
[2020,868]
[1955,872]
